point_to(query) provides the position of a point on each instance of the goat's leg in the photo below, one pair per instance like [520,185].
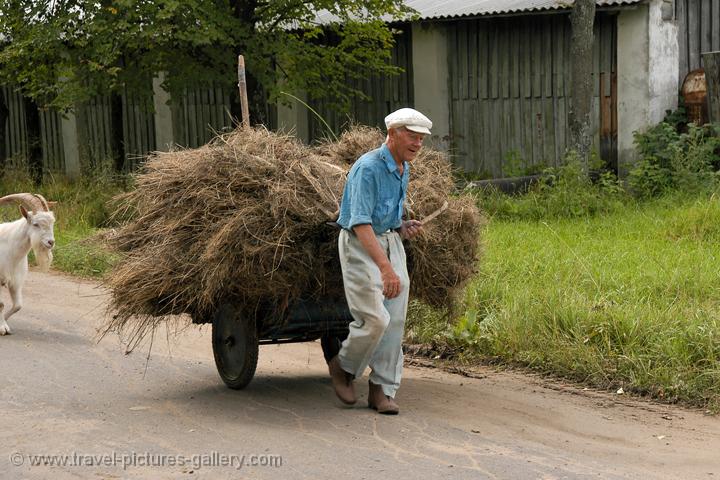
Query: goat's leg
[4,328]
[16,296]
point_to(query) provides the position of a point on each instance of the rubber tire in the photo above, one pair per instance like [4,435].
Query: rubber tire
[235,347]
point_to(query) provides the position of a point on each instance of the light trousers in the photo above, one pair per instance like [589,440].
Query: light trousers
[376,332]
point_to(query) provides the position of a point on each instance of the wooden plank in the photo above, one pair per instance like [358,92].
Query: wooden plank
[536,57]
[682,22]
[608,48]
[547,57]
[558,57]
[149,114]
[494,70]
[504,52]
[715,17]
[517,126]
[540,130]
[44,150]
[524,60]
[550,153]
[52,140]
[472,144]
[705,26]
[192,119]
[220,108]
[526,130]
[126,125]
[483,58]
[463,59]
[473,54]
[514,53]
[562,125]
[107,127]
[206,120]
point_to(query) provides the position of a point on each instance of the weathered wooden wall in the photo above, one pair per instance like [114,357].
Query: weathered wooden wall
[386,94]
[698,31]
[200,114]
[15,132]
[95,131]
[510,92]
[52,141]
[16,135]
[138,128]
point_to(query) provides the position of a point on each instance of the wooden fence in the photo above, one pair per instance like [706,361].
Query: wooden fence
[698,31]
[16,143]
[16,146]
[201,113]
[510,92]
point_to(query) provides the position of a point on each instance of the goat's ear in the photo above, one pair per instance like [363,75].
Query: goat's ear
[25,213]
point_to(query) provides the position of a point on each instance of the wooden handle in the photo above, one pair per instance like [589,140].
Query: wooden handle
[435,213]
[242,85]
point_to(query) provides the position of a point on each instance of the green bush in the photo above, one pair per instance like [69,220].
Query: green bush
[674,161]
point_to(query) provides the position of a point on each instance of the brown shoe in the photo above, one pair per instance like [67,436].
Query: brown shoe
[377,400]
[342,382]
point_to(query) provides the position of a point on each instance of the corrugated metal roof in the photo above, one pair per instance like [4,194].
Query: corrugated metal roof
[430,9]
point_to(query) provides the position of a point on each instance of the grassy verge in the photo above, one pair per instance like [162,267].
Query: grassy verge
[627,299]
[81,214]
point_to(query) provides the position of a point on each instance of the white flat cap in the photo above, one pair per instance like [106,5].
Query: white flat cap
[410,119]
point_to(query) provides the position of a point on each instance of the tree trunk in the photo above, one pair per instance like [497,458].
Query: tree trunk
[4,115]
[711,61]
[582,19]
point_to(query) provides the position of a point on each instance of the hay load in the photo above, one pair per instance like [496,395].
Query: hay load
[244,219]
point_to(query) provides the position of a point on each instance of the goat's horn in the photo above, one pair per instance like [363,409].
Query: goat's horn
[46,206]
[28,200]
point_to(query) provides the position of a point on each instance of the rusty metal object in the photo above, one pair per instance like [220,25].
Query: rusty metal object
[694,91]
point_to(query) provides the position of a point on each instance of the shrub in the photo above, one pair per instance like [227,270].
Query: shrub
[562,192]
[670,160]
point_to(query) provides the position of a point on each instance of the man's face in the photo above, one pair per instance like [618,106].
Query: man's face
[405,144]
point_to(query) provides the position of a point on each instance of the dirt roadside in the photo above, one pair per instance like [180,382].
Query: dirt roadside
[109,415]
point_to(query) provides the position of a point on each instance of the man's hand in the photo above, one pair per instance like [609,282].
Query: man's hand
[390,279]
[410,229]
[391,282]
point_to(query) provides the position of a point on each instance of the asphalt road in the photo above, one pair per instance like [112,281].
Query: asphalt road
[67,398]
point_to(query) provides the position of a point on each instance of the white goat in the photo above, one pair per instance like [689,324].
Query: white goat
[33,231]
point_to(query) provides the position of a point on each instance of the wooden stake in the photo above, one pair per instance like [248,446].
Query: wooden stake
[242,85]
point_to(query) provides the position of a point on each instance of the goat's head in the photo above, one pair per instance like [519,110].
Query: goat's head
[41,222]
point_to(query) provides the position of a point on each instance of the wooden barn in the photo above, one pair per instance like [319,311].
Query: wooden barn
[493,75]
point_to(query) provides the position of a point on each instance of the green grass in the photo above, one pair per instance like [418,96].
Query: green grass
[81,214]
[627,299]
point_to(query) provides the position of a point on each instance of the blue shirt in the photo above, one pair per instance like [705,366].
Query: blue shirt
[374,192]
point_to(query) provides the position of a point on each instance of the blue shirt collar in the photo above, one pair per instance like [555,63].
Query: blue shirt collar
[390,161]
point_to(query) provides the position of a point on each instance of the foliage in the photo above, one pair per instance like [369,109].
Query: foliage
[562,192]
[628,299]
[671,160]
[82,212]
[61,52]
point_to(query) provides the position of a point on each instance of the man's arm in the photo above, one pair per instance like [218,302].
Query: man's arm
[391,282]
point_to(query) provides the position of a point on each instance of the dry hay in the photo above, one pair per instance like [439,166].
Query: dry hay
[244,219]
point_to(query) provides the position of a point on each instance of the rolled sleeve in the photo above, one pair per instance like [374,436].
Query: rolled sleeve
[363,197]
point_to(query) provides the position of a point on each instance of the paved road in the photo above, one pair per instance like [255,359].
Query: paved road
[65,394]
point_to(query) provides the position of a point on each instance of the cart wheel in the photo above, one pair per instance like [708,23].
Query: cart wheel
[235,346]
